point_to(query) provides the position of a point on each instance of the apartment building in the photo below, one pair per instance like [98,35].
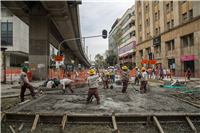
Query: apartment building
[170,31]
[126,50]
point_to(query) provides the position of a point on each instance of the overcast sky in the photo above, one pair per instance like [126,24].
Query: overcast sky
[96,16]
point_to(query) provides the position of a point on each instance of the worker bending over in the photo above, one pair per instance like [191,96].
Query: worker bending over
[23,81]
[93,85]
[65,83]
[105,79]
[144,80]
[125,78]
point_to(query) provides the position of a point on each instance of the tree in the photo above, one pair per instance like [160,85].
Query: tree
[117,37]
[98,60]
[111,59]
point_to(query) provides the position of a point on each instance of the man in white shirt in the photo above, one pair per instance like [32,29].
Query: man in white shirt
[23,81]
[164,72]
[93,85]
[144,80]
[65,83]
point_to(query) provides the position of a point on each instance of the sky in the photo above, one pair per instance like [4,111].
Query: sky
[97,16]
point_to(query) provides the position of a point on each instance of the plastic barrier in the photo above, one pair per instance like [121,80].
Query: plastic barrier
[175,87]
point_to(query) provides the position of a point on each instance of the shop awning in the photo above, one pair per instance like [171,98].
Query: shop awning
[123,55]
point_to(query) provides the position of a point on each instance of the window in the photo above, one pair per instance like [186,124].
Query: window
[6,33]
[183,1]
[147,35]
[140,39]
[140,15]
[184,17]
[146,9]
[173,46]
[168,26]
[185,41]
[133,13]
[147,22]
[141,52]
[171,5]
[140,28]
[156,16]
[157,49]
[159,30]
[167,8]
[156,31]
[192,40]
[169,46]
[133,33]
[191,14]
[155,2]
[139,3]
[172,23]
[160,48]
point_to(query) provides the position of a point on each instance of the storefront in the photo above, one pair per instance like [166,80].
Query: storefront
[188,62]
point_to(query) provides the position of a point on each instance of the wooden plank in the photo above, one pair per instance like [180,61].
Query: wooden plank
[13,131]
[2,115]
[158,124]
[114,122]
[21,126]
[64,121]
[24,102]
[191,124]
[173,83]
[35,123]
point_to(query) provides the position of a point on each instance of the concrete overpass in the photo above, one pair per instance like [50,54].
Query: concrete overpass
[50,22]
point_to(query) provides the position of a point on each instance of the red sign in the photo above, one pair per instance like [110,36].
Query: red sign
[152,62]
[144,61]
[58,58]
[187,58]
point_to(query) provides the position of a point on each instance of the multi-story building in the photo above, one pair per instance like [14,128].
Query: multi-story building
[126,50]
[170,30]
[14,37]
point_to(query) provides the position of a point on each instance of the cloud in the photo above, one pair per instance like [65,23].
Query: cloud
[96,16]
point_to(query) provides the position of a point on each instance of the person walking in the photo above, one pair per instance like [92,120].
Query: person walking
[168,72]
[150,72]
[164,72]
[189,73]
[136,75]
[125,78]
[93,85]
[144,80]
[24,83]
[113,75]
[161,74]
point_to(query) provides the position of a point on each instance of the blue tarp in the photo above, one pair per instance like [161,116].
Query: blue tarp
[175,87]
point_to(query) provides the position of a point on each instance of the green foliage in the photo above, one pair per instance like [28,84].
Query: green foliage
[117,38]
[130,66]
[98,60]
[111,60]
[52,59]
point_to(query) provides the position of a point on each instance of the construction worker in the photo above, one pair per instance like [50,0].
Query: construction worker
[125,78]
[93,85]
[23,81]
[136,75]
[144,80]
[105,79]
[65,83]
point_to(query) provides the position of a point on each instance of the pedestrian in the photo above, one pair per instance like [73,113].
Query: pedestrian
[164,72]
[153,73]
[189,73]
[105,79]
[144,80]
[113,74]
[125,78]
[93,85]
[168,72]
[65,83]
[110,71]
[24,83]
[161,74]
[156,73]
[150,72]
[147,71]
[136,75]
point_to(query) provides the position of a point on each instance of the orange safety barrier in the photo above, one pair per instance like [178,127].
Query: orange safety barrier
[171,74]
[29,76]
[132,73]
[11,77]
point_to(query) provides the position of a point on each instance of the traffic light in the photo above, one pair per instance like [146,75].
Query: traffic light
[151,56]
[104,34]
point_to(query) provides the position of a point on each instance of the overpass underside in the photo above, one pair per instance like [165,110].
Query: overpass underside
[50,22]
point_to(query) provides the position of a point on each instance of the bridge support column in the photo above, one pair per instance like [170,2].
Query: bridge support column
[68,58]
[76,62]
[38,42]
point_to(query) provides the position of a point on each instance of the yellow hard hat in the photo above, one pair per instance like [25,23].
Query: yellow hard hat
[108,73]
[92,72]
[143,68]
[136,67]
[124,67]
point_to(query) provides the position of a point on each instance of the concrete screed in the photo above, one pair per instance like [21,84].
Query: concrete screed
[156,100]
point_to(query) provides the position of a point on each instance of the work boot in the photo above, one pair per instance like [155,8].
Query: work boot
[104,87]
[141,91]
[88,101]
[34,97]
[98,101]
[107,87]
[22,100]
[63,92]
[123,91]
[144,91]
[72,91]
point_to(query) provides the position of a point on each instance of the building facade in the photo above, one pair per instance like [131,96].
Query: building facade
[170,31]
[126,50]
[14,37]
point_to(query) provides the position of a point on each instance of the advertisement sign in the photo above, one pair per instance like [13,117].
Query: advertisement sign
[157,40]
[187,58]
[127,47]
[144,61]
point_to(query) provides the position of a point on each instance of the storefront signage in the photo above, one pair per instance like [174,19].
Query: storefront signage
[187,58]
[144,61]
[153,62]
[128,47]
[157,40]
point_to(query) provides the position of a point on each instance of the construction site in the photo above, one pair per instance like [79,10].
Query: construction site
[161,109]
